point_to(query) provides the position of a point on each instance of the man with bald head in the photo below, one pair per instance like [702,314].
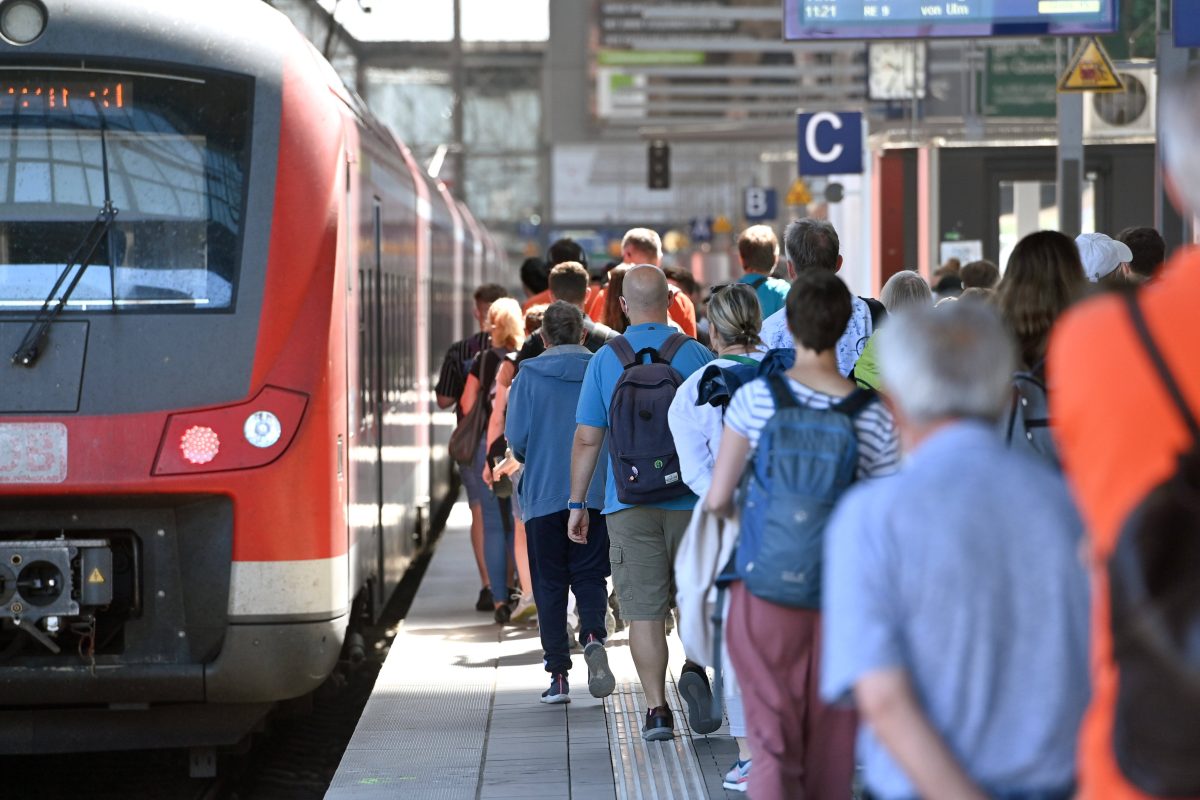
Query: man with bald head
[642,538]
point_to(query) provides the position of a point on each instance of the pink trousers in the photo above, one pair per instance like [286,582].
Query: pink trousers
[803,748]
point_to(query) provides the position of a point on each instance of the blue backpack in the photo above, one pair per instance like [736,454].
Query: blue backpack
[645,464]
[805,460]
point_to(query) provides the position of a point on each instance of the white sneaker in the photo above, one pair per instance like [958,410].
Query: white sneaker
[738,777]
[525,609]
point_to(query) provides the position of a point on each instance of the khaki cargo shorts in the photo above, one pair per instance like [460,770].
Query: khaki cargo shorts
[642,542]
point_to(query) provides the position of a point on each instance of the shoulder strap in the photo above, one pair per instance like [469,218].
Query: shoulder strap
[781,393]
[668,349]
[759,281]
[1160,365]
[623,351]
[877,309]
[855,402]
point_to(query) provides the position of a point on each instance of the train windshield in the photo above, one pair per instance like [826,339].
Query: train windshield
[170,152]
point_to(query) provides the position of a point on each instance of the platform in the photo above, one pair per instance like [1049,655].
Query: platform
[455,713]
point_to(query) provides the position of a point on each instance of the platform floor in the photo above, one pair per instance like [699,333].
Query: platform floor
[455,713]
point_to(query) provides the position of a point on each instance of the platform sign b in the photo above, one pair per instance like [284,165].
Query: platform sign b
[760,204]
[830,143]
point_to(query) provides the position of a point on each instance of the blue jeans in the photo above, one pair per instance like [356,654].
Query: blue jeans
[498,530]
[558,564]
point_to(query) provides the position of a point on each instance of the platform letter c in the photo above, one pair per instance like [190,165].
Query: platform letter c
[810,138]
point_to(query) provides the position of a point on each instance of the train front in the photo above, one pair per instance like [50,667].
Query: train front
[173,547]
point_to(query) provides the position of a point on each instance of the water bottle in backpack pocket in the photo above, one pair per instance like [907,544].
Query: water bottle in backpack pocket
[805,460]
[645,465]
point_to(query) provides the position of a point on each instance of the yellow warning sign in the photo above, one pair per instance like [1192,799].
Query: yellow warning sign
[96,576]
[798,194]
[1091,70]
[722,225]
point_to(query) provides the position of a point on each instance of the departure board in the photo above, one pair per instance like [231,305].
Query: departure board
[904,19]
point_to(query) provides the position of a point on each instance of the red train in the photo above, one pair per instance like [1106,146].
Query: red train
[225,288]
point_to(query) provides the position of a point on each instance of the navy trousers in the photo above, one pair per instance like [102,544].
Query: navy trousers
[559,565]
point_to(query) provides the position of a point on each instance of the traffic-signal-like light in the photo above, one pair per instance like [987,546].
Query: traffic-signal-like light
[659,175]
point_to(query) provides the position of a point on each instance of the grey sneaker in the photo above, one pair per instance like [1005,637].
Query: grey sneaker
[601,681]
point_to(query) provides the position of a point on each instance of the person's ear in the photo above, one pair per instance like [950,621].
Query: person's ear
[791,270]
[839,264]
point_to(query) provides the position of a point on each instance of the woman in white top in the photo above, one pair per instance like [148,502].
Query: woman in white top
[735,318]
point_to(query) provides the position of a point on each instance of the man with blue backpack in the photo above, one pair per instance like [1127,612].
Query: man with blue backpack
[627,391]
[809,433]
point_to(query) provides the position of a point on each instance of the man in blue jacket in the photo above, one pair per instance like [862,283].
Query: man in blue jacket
[540,428]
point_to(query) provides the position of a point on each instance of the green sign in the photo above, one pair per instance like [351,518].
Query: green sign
[649,58]
[1021,81]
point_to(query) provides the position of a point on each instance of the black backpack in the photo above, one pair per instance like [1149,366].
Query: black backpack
[644,462]
[1154,581]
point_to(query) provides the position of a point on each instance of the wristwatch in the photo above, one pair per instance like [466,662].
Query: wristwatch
[574,506]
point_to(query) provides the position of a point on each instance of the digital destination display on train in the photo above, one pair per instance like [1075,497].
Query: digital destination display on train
[900,19]
[55,96]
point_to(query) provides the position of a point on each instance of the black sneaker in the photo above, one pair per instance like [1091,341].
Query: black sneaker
[600,678]
[660,725]
[559,691]
[485,601]
[502,614]
[697,693]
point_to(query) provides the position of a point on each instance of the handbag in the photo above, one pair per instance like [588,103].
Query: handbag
[464,441]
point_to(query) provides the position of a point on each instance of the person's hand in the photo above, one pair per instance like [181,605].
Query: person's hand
[577,526]
[487,473]
[508,466]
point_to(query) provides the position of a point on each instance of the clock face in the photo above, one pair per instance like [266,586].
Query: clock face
[896,70]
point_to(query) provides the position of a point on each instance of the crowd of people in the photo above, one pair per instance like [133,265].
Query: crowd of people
[963,511]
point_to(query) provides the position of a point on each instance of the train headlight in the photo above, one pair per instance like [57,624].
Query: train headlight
[22,21]
[262,429]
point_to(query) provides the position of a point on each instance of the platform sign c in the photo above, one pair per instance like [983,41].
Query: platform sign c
[759,204]
[830,143]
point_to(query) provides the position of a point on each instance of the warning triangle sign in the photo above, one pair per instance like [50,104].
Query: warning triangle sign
[1091,70]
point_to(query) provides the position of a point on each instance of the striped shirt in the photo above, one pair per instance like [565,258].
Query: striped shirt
[878,445]
[456,364]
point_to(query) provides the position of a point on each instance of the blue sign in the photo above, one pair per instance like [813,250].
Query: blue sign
[700,229]
[805,20]
[760,204]
[830,143]
[1185,22]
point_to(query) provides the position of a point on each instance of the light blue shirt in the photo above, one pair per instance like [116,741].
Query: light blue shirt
[603,372]
[772,294]
[962,570]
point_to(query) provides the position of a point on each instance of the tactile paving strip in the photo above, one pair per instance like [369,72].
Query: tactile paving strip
[650,770]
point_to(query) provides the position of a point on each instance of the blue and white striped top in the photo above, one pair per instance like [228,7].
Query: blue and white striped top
[878,445]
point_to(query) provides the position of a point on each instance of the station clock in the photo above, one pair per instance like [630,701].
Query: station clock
[896,70]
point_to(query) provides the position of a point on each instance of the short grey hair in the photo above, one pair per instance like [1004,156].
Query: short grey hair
[906,289]
[562,324]
[1180,115]
[811,243]
[949,363]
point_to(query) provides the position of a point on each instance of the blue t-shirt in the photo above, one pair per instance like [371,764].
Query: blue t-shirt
[772,294]
[603,372]
[962,570]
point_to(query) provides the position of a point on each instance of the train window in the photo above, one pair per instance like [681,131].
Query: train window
[169,152]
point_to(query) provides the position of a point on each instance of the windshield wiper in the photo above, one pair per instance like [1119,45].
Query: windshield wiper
[30,348]
[27,353]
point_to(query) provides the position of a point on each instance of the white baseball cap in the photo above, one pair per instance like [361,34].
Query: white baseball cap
[1101,255]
